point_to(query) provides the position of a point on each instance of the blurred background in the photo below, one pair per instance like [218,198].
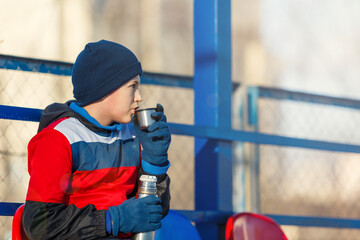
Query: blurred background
[306,46]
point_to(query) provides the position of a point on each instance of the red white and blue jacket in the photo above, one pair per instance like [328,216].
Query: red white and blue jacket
[78,169]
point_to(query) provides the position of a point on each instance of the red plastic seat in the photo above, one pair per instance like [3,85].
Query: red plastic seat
[17,229]
[252,226]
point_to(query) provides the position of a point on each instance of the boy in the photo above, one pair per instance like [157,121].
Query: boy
[85,161]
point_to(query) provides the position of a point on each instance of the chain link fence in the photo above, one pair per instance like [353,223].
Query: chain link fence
[293,181]
[303,182]
[37,90]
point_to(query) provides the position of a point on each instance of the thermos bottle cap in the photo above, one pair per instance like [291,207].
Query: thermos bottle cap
[147,178]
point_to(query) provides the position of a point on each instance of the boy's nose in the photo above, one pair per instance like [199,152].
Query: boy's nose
[138,97]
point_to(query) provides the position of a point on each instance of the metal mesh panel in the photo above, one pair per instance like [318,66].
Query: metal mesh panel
[36,90]
[296,181]
[178,104]
[308,182]
[25,89]
[311,121]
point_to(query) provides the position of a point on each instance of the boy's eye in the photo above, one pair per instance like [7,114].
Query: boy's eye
[134,84]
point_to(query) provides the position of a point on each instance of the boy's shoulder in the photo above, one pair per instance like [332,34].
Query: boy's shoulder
[76,131]
[53,113]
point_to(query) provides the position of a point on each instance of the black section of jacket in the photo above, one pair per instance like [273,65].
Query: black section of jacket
[58,221]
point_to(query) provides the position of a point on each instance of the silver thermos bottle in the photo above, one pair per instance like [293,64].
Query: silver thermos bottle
[147,186]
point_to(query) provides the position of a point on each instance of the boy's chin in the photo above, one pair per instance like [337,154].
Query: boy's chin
[125,121]
[122,122]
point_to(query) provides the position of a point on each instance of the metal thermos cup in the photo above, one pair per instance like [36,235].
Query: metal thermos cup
[147,186]
[143,117]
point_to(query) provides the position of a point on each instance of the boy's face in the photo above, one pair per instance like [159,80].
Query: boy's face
[123,102]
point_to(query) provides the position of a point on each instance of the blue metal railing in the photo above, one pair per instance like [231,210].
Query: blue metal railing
[60,68]
[281,94]
[32,114]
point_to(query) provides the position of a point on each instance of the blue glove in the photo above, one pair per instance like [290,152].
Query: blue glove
[136,215]
[156,140]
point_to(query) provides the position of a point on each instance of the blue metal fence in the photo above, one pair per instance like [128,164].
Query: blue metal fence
[213,133]
[212,93]
[208,132]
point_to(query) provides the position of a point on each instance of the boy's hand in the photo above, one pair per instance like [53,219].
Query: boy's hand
[136,215]
[156,140]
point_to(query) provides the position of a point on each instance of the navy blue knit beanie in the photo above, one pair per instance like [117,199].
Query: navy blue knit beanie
[101,68]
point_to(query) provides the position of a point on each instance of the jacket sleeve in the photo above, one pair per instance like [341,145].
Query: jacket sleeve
[58,221]
[163,190]
[46,216]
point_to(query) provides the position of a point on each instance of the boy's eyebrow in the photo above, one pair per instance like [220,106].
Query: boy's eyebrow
[136,81]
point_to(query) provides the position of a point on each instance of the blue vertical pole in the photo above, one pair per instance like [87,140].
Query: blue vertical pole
[254,151]
[212,91]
